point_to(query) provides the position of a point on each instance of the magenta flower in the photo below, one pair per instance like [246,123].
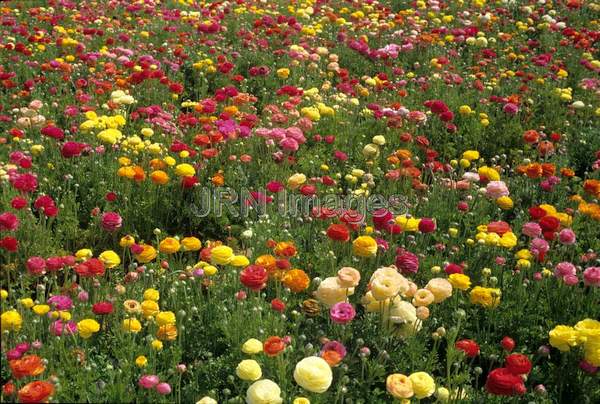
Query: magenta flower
[342,313]
[111,221]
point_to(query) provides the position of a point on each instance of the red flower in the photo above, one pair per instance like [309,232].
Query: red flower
[36,392]
[18,202]
[426,225]
[91,267]
[110,196]
[502,382]
[102,308]
[278,305]
[508,344]
[254,277]
[518,364]
[9,244]
[468,346]
[338,232]
[453,269]
[273,345]
[549,223]
[536,212]
[498,227]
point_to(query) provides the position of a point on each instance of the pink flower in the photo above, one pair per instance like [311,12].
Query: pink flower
[567,237]
[58,327]
[510,108]
[111,221]
[539,247]
[163,388]
[36,265]
[8,221]
[496,189]
[591,276]
[564,269]
[289,144]
[61,302]
[531,229]
[571,280]
[148,381]
[342,313]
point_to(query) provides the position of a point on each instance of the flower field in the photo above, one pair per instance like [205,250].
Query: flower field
[308,201]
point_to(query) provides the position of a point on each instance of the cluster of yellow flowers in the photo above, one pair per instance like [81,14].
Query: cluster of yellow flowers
[585,333]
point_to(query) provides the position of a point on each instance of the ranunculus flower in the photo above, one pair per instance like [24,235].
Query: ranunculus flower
[502,382]
[342,313]
[468,346]
[254,277]
[111,221]
[313,374]
[518,364]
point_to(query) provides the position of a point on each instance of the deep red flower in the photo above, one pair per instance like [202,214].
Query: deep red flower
[549,223]
[518,364]
[502,382]
[468,346]
[338,232]
[508,344]
[10,244]
[102,308]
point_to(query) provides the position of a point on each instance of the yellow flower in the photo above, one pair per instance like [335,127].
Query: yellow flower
[489,173]
[508,240]
[248,370]
[132,306]
[191,244]
[296,180]
[221,255]
[141,361]
[110,136]
[127,241]
[10,321]
[486,297]
[3,294]
[239,261]
[460,281]
[263,391]
[110,259]
[185,170]
[470,155]
[301,400]
[252,346]
[505,203]
[132,325]
[88,327]
[152,294]
[148,254]
[210,270]
[149,308]
[165,318]
[283,73]
[41,309]
[26,302]
[169,245]
[399,386]
[407,223]
[313,374]
[157,345]
[524,254]
[563,337]
[364,246]
[423,384]
[84,254]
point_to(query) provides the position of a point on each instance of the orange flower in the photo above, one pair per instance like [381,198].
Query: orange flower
[167,333]
[159,177]
[548,169]
[545,148]
[285,249]
[567,172]
[29,365]
[296,280]
[592,187]
[218,180]
[531,136]
[534,170]
[157,164]
[267,261]
[273,345]
[36,392]
[139,175]
[331,357]
[403,154]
